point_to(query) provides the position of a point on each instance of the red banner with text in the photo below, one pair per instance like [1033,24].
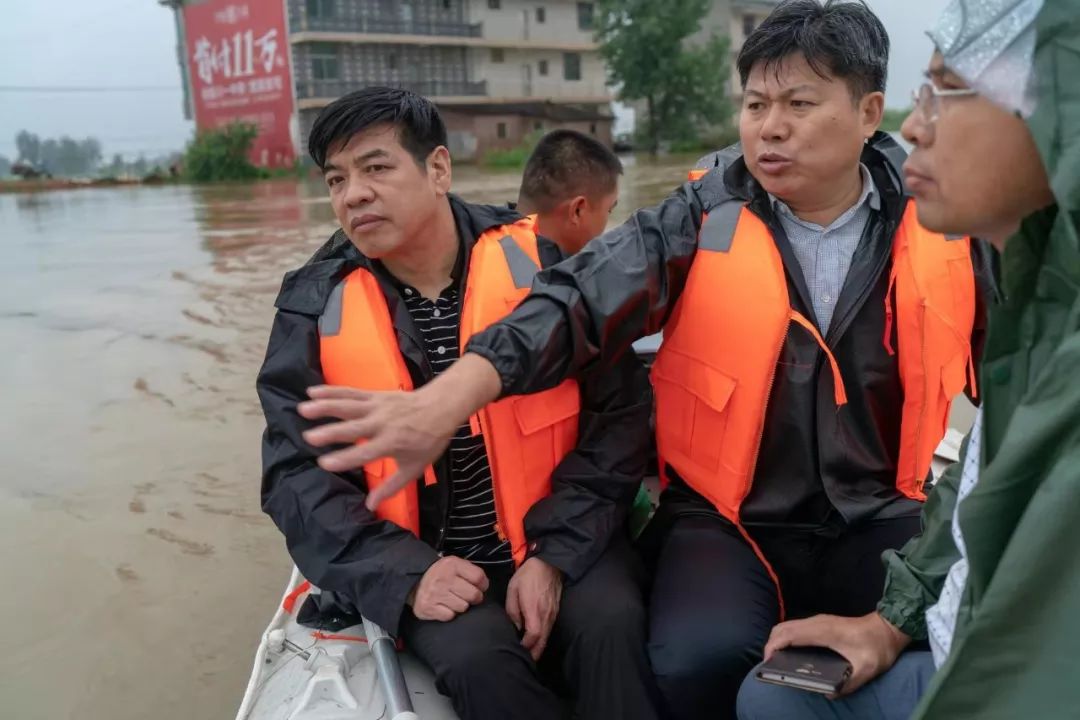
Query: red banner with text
[238,59]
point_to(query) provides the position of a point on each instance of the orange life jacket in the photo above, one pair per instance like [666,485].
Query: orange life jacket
[526,437]
[714,371]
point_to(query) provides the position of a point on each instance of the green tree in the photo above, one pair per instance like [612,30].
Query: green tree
[70,158]
[222,154]
[116,166]
[63,156]
[90,149]
[28,146]
[684,87]
[49,157]
[141,166]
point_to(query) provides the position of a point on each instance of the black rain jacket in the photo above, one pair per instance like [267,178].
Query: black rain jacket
[820,468]
[362,562]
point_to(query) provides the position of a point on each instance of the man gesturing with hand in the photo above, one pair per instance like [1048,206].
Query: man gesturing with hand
[508,551]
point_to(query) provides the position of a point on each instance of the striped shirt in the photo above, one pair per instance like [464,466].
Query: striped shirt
[825,253]
[470,528]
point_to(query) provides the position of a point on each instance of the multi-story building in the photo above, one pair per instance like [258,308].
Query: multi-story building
[736,19]
[499,69]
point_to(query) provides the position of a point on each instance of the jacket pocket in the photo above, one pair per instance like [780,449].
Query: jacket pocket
[692,408]
[548,423]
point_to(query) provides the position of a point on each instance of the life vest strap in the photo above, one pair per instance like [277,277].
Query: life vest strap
[838,381]
[972,384]
[889,294]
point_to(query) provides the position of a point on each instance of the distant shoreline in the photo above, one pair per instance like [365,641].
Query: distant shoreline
[49,184]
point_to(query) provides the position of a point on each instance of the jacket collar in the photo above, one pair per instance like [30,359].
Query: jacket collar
[306,289]
[869,195]
[883,158]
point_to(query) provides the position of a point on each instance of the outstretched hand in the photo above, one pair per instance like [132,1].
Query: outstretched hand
[379,424]
[412,428]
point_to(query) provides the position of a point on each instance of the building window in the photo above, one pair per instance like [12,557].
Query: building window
[571,66]
[446,4]
[498,55]
[494,4]
[324,62]
[749,22]
[500,130]
[542,67]
[585,16]
[320,9]
[541,15]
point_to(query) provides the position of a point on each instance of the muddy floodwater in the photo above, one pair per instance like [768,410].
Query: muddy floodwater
[138,568]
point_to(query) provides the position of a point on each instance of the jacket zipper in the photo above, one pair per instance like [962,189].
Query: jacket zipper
[919,482]
[500,512]
[836,330]
[765,402]
[772,374]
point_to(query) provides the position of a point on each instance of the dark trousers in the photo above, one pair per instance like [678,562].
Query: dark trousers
[713,603]
[596,652]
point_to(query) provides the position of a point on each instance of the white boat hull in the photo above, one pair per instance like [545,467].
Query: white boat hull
[337,680]
[300,674]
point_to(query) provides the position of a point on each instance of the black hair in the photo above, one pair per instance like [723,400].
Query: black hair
[566,163]
[420,127]
[839,38]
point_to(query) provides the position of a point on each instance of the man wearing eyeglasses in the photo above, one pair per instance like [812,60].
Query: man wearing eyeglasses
[815,335]
[991,583]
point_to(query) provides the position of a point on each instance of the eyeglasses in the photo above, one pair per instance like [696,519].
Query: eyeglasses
[928,100]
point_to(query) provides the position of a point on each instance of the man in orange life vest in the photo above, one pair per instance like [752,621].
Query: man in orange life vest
[814,337]
[511,552]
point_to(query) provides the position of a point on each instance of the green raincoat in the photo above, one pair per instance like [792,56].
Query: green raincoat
[1016,651]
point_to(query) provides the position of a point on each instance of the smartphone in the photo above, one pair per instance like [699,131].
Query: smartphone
[814,669]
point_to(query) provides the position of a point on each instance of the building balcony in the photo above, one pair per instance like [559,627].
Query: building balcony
[398,32]
[316,93]
[587,90]
[389,26]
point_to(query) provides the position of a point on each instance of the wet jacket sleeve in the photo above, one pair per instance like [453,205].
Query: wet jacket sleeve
[336,542]
[915,574]
[622,286]
[594,486]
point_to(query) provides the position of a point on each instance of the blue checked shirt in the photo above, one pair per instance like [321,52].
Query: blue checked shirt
[825,253]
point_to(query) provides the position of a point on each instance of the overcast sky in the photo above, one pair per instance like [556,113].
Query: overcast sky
[74,43]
